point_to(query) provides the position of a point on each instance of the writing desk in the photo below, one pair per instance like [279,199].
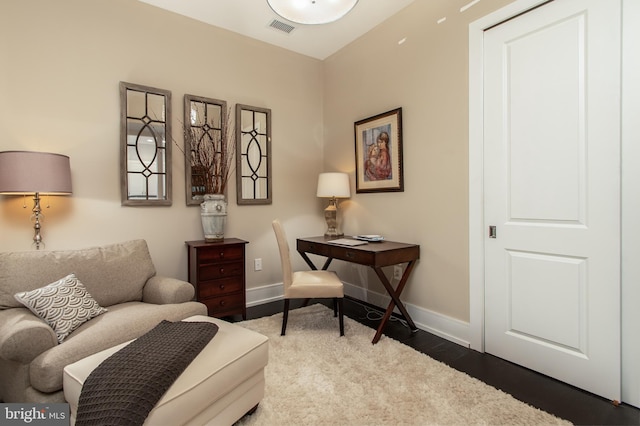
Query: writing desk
[373,254]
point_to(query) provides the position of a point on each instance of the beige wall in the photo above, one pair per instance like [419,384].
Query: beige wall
[427,76]
[61,63]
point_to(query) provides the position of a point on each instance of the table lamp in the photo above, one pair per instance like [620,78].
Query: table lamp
[333,186]
[34,173]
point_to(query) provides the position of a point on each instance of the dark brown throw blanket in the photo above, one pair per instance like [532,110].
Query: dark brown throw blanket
[125,387]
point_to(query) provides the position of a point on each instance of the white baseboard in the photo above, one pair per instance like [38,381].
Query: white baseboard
[443,326]
[265,294]
[448,328]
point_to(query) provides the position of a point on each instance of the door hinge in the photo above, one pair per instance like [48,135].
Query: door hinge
[492,231]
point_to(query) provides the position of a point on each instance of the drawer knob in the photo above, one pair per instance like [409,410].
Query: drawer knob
[221,254]
[222,303]
[349,254]
[222,270]
[221,286]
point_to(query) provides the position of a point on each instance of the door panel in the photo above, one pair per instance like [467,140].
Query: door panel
[532,278]
[552,189]
[547,183]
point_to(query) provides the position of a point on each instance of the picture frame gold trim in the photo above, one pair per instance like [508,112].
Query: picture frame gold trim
[379,164]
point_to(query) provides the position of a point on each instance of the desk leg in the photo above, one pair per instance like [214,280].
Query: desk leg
[327,263]
[310,263]
[395,300]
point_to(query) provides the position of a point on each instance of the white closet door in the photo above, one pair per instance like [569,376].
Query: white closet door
[552,191]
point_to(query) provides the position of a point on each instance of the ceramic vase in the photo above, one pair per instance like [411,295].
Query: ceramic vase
[214,217]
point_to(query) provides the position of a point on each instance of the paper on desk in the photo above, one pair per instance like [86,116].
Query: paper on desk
[347,242]
[370,238]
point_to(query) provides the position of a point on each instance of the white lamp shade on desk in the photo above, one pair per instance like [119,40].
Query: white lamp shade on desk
[333,185]
[26,172]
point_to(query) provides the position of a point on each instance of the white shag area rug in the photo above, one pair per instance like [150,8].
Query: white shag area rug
[316,377]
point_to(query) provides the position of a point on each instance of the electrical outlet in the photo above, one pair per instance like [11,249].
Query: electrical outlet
[257,264]
[397,272]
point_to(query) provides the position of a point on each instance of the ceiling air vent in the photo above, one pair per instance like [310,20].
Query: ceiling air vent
[281,26]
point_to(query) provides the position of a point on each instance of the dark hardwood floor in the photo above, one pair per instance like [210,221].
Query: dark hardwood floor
[552,396]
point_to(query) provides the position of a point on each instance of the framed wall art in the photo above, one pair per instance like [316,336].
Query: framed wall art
[379,153]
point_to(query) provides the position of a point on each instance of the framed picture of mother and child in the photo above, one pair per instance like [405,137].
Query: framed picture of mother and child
[379,153]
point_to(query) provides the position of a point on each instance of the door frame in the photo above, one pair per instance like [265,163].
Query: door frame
[630,203]
[476,163]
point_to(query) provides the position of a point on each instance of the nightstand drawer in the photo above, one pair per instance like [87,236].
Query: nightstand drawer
[226,304]
[217,271]
[220,270]
[217,254]
[219,287]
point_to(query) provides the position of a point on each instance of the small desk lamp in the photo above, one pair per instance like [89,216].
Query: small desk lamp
[333,186]
[34,173]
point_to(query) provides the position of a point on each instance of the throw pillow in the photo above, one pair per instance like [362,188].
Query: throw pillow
[65,305]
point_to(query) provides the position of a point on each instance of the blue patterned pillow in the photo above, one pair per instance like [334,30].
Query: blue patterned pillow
[65,305]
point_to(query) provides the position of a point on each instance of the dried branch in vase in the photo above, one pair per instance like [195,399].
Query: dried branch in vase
[211,151]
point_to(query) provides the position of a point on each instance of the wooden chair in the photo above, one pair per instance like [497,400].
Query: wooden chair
[307,284]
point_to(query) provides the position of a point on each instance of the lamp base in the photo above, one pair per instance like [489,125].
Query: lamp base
[37,214]
[331,216]
[333,234]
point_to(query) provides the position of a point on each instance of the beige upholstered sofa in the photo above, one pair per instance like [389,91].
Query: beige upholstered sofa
[119,277]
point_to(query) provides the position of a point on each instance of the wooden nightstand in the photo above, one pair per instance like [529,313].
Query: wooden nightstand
[216,270]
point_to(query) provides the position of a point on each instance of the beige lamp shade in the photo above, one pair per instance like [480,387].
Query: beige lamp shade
[333,185]
[28,172]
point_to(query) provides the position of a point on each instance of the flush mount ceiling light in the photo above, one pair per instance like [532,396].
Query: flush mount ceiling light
[312,11]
